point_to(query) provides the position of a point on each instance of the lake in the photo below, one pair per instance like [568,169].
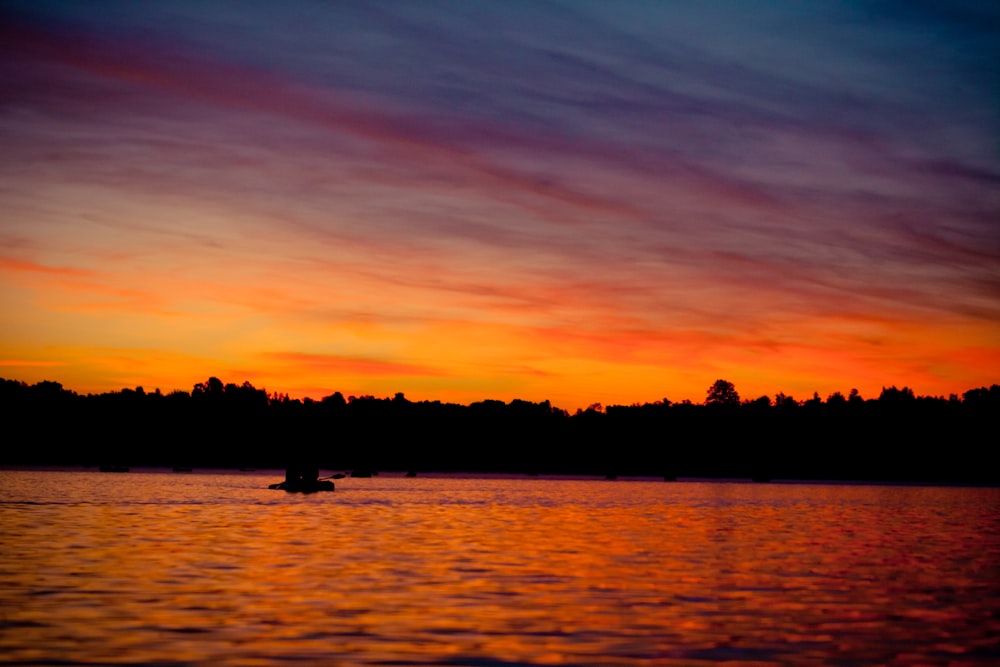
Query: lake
[214,568]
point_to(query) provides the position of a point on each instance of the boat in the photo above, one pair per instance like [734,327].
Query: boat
[300,486]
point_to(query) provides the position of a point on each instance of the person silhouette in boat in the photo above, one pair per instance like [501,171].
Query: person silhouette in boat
[301,474]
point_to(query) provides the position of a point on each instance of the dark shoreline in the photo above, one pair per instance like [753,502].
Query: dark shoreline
[896,438]
[275,473]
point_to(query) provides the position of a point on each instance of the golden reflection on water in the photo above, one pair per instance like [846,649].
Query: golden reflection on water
[216,568]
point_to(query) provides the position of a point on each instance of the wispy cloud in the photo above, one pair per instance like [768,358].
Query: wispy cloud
[334,365]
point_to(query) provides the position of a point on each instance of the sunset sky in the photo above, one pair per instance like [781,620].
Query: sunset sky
[585,202]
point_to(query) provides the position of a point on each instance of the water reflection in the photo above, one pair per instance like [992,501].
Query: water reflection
[217,568]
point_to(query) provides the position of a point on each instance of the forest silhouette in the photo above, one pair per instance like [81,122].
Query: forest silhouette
[897,436]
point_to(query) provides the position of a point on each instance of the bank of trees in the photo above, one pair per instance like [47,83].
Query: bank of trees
[895,436]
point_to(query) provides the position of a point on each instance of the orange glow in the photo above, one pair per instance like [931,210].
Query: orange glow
[288,331]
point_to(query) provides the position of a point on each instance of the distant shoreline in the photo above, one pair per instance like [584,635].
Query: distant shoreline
[897,438]
[402,474]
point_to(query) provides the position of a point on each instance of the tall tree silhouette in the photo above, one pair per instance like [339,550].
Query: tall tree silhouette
[722,392]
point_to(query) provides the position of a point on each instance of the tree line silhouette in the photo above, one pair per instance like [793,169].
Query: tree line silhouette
[896,437]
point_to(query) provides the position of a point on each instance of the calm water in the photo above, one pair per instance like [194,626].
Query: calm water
[163,568]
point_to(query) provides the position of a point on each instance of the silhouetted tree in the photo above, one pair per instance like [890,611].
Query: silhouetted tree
[722,392]
[213,387]
[783,401]
[893,396]
[983,397]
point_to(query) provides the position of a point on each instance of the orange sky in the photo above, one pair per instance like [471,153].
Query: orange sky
[462,210]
